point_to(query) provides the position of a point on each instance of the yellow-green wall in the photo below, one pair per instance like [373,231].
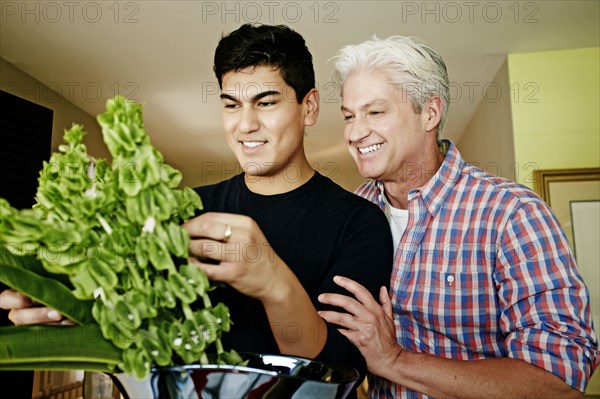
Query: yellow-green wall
[487,140]
[555,103]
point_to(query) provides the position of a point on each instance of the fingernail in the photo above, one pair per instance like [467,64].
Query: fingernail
[54,315]
[320,297]
[336,279]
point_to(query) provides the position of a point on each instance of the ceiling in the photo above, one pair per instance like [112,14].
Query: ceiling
[160,52]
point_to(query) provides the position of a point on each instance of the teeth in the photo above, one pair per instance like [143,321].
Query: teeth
[370,148]
[252,144]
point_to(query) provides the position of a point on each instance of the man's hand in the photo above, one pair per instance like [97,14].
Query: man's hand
[248,263]
[367,324]
[370,327]
[246,260]
[23,310]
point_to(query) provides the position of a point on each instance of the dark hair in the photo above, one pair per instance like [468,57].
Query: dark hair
[267,45]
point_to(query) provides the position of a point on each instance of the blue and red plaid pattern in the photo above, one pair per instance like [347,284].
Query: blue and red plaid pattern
[484,270]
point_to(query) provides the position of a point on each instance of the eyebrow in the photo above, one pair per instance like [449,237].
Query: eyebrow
[263,94]
[365,106]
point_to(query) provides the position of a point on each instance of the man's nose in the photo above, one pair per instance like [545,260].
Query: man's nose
[358,129]
[249,120]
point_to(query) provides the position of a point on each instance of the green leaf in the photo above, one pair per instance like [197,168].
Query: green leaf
[84,284]
[102,274]
[163,295]
[26,262]
[126,316]
[158,254]
[16,272]
[155,343]
[75,134]
[181,288]
[61,347]
[142,302]
[222,313]
[231,357]
[136,361]
[60,366]
[195,277]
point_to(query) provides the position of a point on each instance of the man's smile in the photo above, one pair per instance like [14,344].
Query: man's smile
[371,148]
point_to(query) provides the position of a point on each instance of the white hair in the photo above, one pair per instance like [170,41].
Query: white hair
[409,64]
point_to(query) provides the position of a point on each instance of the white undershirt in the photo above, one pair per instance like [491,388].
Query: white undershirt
[398,219]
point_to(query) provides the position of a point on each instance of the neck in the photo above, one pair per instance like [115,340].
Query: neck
[280,181]
[410,178]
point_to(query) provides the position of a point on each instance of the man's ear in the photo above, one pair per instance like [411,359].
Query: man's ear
[433,113]
[311,107]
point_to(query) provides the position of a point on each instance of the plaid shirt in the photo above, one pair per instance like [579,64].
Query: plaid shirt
[483,270]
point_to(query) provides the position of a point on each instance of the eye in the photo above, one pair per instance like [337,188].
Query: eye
[230,106]
[348,117]
[266,103]
[375,113]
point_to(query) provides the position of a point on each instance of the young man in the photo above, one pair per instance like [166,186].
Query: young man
[299,229]
[280,231]
[486,297]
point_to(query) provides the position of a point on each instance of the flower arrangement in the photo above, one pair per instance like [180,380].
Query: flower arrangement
[104,246]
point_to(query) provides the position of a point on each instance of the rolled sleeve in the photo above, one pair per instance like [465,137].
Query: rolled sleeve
[546,316]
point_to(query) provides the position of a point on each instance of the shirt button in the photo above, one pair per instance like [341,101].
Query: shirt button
[450,279]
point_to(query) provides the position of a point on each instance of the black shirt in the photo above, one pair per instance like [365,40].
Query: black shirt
[319,230]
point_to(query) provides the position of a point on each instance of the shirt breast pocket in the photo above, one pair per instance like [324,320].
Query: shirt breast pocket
[458,302]
[459,279]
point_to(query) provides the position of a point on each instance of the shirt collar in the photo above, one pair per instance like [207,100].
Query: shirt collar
[435,191]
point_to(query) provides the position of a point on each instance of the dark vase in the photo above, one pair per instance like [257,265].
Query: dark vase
[265,376]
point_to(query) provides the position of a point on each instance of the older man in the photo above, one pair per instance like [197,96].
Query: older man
[486,297]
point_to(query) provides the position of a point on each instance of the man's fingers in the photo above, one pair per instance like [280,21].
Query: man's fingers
[220,272]
[23,310]
[360,292]
[13,299]
[386,304]
[216,226]
[341,319]
[216,231]
[207,249]
[362,295]
[34,315]
[345,302]
[351,335]
[357,333]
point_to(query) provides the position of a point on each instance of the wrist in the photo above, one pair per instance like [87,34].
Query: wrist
[278,288]
[397,366]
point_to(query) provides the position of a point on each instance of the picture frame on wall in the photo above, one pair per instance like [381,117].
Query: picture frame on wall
[559,187]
